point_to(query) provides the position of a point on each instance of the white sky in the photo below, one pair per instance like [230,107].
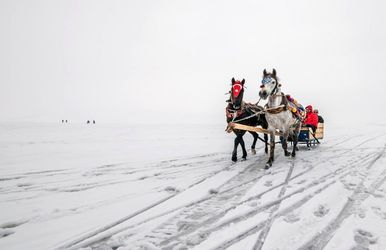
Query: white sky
[172,60]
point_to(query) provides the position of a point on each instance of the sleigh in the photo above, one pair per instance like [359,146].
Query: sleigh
[306,135]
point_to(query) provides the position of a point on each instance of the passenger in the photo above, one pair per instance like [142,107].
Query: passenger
[320,119]
[311,119]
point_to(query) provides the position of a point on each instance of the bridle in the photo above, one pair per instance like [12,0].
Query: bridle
[283,106]
[268,79]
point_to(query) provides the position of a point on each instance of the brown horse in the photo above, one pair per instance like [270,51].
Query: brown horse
[243,113]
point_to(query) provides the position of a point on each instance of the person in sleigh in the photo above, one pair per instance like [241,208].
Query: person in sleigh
[311,119]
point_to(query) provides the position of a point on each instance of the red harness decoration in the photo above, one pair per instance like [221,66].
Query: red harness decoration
[236,89]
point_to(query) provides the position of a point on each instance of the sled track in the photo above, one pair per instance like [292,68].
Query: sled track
[263,234]
[198,216]
[75,243]
[236,185]
[192,219]
[335,175]
[98,235]
[320,240]
[165,237]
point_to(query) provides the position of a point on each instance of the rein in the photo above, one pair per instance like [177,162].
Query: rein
[258,113]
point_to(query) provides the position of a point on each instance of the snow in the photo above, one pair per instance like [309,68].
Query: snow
[118,186]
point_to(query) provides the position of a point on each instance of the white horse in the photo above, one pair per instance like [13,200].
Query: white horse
[278,116]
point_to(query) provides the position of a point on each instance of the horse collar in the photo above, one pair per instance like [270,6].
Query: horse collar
[282,107]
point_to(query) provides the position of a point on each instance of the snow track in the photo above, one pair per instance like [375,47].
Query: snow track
[273,214]
[206,202]
[361,193]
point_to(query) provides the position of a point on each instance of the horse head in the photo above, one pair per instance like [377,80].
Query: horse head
[269,84]
[237,93]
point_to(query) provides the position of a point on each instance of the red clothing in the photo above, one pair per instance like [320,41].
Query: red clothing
[311,117]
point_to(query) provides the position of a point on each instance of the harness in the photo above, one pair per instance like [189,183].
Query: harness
[282,107]
[244,107]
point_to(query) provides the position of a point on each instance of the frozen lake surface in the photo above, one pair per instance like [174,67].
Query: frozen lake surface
[78,186]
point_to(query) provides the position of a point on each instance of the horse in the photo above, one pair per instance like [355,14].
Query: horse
[278,116]
[248,114]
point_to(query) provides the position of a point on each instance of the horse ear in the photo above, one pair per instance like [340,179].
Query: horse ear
[233,80]
[274,72]
[265,72]
[243,81]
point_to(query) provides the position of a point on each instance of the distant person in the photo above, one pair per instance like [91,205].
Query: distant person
[88,121]
[62,121]
[66,121]
[311,119]
[320,119]
[93,121]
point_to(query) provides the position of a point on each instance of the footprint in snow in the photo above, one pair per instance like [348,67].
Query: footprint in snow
[363,239]
[361,212]
[253,204]
[171,189]
[291,217]
[378,211]
[321,211]
[195,239]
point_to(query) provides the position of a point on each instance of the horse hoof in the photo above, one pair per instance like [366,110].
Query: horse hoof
[287,154]
[253,151]
[293,154]
[244,159]
[234,158]
[268,165]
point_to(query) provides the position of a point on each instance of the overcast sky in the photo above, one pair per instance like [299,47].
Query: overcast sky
[172,60]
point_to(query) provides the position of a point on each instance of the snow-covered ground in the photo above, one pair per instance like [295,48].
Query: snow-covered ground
[74,186]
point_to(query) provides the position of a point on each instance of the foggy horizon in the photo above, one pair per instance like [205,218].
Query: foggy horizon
[173,61]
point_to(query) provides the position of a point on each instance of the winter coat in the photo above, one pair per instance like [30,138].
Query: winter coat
[311,117]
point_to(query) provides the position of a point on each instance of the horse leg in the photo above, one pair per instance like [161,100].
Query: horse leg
[266,143]
[295,137]
[284,144]
[255,137]
[243,146]
[271,151]
[295,140]
[236,144]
